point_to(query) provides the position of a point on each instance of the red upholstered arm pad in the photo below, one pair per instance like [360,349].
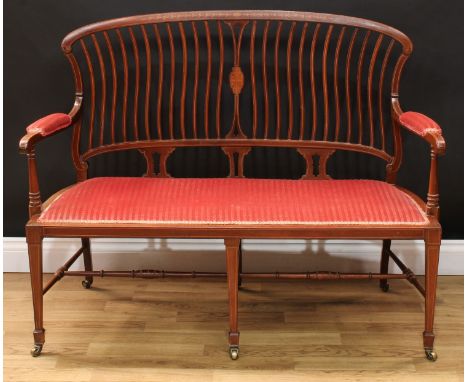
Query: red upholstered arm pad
[43,127]
[49,124]
[425,127]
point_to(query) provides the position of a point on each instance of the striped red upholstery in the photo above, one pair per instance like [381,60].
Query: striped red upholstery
[233,201]
[419,123]
[49,124]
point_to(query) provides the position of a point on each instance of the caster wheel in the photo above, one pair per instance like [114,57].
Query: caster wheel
[36,350]
[431,355]
[86,284]
[385,288]
[234,353]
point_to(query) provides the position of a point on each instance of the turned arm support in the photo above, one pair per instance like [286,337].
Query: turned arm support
[431,132]
[36,132]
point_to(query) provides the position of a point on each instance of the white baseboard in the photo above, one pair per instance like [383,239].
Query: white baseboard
[208,255]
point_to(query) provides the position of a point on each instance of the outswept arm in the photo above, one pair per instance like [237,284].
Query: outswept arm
[431,132]
[49,125]
[425,127]
[36,132]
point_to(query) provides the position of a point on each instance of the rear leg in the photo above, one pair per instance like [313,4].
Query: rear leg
[88,262]
[384,264]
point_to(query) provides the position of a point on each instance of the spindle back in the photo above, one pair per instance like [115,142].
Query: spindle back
[237,80]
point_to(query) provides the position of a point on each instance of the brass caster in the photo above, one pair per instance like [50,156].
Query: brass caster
[385,288]
[431,355]
[234,352]
[86,284]
[36,350]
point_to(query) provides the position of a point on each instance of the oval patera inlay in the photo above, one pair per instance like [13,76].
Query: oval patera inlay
[236,80]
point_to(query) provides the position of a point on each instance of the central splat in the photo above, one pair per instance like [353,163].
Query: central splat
[236,77]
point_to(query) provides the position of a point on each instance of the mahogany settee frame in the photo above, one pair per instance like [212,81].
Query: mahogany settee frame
[236,144]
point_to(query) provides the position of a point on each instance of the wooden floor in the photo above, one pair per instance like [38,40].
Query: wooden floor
[175,330]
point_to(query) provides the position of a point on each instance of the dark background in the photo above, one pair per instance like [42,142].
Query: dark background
[38,81]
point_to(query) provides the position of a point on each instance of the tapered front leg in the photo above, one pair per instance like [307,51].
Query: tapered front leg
[88,262]
[232,268]
[384,263]
[34,239]
[432,244]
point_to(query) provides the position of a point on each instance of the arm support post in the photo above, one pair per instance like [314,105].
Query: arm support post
[35,203]
[36,132]
[431,132]
[432,206]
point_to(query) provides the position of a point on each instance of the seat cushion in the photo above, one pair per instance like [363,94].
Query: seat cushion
[233,201]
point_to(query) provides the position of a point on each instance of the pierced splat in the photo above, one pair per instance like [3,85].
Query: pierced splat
[237,29]
[316,170]
[236,156]
[236,77]
[164,153]
[236,80]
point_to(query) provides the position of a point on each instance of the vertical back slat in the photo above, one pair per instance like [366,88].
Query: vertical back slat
[359,87]
[324,82]
[381,83]
[369,88]
[335,80]
[184,79]
[288,73]
[336,91]
[125,94]
[312,81]
[277,83]
[148,81]
[252,79]
[208,78]
[93,92]
[160,80]
[220,79]
[348,92]
[114,84]
[102,70]
[301,84]
[195,81]
[172,85]
[136,57]
[265,78]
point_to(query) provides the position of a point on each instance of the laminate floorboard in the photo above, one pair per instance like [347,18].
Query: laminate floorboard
[176,330]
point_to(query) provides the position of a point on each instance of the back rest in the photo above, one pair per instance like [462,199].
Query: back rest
[236,79]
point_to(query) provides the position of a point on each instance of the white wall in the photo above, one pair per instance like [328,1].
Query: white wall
[259,255]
